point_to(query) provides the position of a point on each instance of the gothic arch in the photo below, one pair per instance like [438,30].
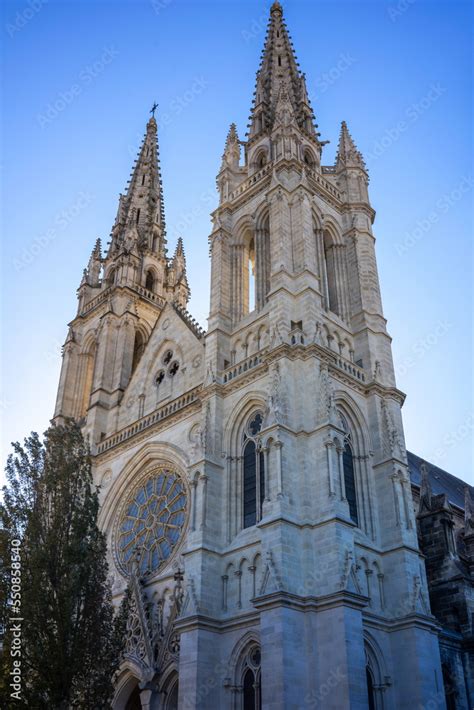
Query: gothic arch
[128,679]
[111,276]
[355,464]
[262,255]
[85,381]
[245,667]
[332,230]
[332,267]
[356,419]
[261,158]
[168,677]
[376,671]
[309,158]
[330,259]
[149,455]
[243,268]
[244,227]
[250,263]
[89,339]
[143,328]
[135,480]
[262,215]
[235,425]
[249,639]
[150,278]
[240,473]
[317,214]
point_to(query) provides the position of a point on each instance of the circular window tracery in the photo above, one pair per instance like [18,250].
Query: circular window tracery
[168,356]
[174,367]
[255,424]
[151,522]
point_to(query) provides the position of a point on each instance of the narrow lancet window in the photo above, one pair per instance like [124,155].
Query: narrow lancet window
[253,474]
[349,481]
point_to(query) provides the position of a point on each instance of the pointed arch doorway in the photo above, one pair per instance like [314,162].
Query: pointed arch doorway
[134,702]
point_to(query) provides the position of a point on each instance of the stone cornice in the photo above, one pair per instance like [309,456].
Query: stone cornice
[420,621]
[322,603]
[386,391]
[362,207]
[202,621]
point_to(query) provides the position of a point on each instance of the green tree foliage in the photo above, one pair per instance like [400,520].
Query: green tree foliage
[71,639]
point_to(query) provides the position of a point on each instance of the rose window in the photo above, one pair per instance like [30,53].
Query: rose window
[151,522]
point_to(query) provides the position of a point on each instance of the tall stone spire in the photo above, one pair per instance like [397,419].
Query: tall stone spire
[347,154]
[141,211]
[279,66]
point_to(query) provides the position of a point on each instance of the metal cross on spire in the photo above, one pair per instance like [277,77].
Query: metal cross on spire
[153,109]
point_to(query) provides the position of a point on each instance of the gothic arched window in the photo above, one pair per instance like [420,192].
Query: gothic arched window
[149,281]
[252,280]
[253,473]
[88,379]
[111,278]
[349,481]
[329,258]
[251,687]
[308,158]
[138,348]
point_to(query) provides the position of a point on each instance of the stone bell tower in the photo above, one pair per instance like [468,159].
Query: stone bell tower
[296,326]
[120,297]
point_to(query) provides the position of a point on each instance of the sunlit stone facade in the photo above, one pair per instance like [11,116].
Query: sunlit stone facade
[255,485]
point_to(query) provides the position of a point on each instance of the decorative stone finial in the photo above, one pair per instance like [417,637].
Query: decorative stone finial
[347,153]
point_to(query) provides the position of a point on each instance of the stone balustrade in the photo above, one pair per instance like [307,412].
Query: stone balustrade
[149,420]
[241,368]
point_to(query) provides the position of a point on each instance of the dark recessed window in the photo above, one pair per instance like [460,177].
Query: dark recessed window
[150,281]
[253,473]
[349,480]
[174,369]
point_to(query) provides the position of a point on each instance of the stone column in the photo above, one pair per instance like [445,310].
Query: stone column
[278,446]
[193,504]
[329,446]
[341,473]
[203,478]
[319,234]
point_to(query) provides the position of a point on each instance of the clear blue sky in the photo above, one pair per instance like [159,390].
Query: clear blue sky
[80,80]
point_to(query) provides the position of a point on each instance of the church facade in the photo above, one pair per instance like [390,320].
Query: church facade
[254,478]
